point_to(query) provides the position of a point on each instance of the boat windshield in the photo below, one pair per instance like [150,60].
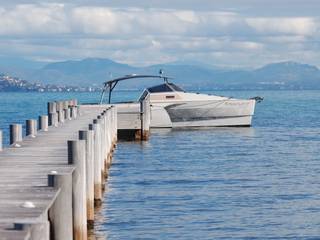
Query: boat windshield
[166,87]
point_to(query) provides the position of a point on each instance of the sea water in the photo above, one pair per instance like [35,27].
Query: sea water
[212,183]
[16,107]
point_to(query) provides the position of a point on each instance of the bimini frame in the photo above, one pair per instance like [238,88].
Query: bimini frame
[111,84]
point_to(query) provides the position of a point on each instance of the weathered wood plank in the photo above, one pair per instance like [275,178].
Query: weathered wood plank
[25,198]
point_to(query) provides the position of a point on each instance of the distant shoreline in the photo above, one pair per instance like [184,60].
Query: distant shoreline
[189,89]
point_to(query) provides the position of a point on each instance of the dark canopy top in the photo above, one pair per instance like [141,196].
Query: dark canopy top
[116,80]
[112,83]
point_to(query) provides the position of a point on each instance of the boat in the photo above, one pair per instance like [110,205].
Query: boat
[172,107]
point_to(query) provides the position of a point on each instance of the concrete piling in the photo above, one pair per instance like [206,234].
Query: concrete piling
[31,127]
[88,135]
[52,107]
[60,214]
[65,104]
[43,123]
[77,157]
[61,116]
[15,134]
[1,141]
[97,162]
[68,113]
[74,112]
[103,147]
[109,137]
[145,118]
[59,106]
[53,119]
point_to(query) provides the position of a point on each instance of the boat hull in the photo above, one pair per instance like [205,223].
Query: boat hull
[233,112]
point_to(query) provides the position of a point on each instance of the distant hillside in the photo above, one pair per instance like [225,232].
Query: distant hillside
[14,84]
[90,71]
[8,83]
[288,73]
[190,75]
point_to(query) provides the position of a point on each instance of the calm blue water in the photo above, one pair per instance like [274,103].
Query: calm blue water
[242,183]
[220,183]
[17,107]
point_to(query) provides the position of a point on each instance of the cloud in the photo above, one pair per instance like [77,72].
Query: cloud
[51,19]
[295,26]
[152,35]
[65,19]
[29,19]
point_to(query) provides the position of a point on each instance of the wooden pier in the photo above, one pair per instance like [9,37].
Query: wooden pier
[51,179]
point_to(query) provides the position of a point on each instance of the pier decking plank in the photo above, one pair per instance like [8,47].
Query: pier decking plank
[24,193]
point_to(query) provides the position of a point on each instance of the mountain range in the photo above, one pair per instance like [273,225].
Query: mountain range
[190,75]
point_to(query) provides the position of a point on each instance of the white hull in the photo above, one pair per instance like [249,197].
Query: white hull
[233,112]
[224,122]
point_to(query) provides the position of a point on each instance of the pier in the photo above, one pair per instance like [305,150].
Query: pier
[53,176]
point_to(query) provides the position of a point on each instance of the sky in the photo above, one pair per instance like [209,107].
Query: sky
[231,33]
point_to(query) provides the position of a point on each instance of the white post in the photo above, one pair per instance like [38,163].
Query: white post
[1,141]
[89,137]
[15,134]
[77,157]
[43,123]
[31,127]
[97,162]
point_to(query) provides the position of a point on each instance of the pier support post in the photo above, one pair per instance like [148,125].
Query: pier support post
[60,213]
[77,157]
[89,137]
[59,106]
[115,124]
[109,136]
[43,123]
[65,104]
[52,107]
[53,119]
[103,148]
[74,112]
[15,134]
[65,109]
[67,114]
[145,112]
[1,141]
[78,111]
[61,116]
[31,127]
[107,141]
[97,162]
[107,123]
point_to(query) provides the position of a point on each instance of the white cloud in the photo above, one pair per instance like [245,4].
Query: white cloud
[29,19]
[144,36]
[60,18]
[97,20]
[187,16]
[296,26]
[282,39]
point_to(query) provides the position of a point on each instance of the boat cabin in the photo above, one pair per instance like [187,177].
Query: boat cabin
[162,92]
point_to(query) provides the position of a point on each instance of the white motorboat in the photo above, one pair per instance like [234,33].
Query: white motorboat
[172,107]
